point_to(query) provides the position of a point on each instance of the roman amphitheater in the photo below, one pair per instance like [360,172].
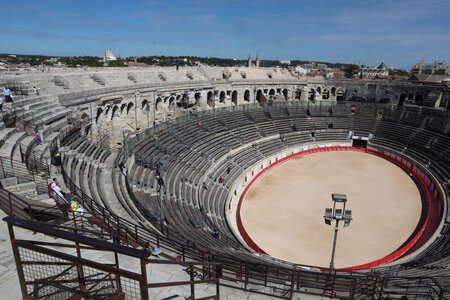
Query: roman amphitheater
[228,172]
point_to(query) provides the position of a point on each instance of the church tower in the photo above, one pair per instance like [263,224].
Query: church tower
[257,59]
[249,63]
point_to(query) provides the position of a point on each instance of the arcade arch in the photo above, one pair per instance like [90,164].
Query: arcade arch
[129,106]
[210,99]
[222,96]
[340,95]
[311,94]
[159,103]
[247,95]
[115,108]
[285,94]
[197,98]
[260,97]
[234,97]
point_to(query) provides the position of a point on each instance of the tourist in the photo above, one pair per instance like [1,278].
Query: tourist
[76,207]
[56,188]
[147,248]
[204,186]
[57,163]
[216,234]
[36,90]
[37,136]
[7,94]
[152,251]
[221,180]
[229,170]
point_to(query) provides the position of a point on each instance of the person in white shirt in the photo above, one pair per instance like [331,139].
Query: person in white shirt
[56,188]
[7,94]
[1,104]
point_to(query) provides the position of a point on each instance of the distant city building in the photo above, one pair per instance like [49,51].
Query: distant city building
[322,67]
[285,62]
[249,62]
[429,69]
[300,70]
[382,69]
[108,56]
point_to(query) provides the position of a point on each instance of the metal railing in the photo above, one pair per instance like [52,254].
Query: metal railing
[47,271]
[35,163]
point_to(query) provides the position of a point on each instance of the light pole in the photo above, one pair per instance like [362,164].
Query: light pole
[160,180]
[338,214]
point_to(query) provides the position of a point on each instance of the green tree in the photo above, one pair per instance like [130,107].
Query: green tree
[349,70]
[117,63]
[399,73]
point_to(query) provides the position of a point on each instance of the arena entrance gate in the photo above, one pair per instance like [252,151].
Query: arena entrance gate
[360,141]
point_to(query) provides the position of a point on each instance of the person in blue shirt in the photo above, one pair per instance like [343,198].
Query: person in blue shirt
[152,251]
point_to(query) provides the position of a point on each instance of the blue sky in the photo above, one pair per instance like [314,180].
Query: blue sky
[399,32]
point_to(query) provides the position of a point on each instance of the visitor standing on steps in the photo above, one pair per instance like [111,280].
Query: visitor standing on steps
[37,136]
[57,163]
[7,94]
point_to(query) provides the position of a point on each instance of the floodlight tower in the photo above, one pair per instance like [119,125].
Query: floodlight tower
[338,213]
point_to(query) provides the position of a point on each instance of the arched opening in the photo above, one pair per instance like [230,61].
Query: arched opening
[247,95]
[172,101]
[197,97]
[402,99]
[159,103]
[311,94]
[222,96]
[129,106]
[333,91]
[340,95]
[234,97]
[122,107]
[99,112]
[144,103]
[115,108]
[210,99]
[185,100]
[419,98]
[260,97]
[319,90]
[285,94]
[271,93]
[325,94]
[298,94]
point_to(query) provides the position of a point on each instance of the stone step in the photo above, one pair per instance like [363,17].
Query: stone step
[10,145]
[5,133]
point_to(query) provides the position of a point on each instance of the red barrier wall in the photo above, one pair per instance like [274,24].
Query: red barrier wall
[432,199]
